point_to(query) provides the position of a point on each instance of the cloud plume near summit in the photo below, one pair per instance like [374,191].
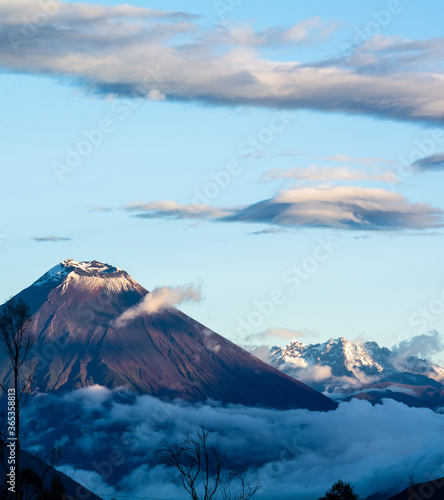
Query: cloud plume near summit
[158,300]
[139,52]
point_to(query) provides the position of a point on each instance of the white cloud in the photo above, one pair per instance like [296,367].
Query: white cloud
[385,54]
[275,335]
[24,11]
[367,161]
[319,173]
[155,95]
[307,31]
[172,210]
[314,373]
[415,355]
[113,50]
[340,207]
[158,300]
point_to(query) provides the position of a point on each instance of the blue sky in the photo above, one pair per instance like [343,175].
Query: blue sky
[331,122]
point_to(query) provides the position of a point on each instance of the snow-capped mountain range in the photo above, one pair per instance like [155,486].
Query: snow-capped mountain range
[75,307]
[343,369]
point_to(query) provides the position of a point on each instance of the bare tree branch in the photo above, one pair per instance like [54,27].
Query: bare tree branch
[201,467]
[15,319]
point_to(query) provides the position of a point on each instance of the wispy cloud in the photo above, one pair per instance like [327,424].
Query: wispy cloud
[368,161]
[308,31]
[113,50]
[173,210]
[99,208]
[326,174]
[277,335]
[50,238]
[383,55]
[340,207]
[430,163]
[268,230]
[22,11]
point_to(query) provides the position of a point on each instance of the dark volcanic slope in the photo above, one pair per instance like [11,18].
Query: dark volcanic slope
[167,354]
[73,489]
[431,490]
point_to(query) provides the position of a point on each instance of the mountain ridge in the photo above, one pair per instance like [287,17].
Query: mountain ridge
[344,370]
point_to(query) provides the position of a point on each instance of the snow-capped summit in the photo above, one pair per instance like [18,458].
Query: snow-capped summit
[343,357]
[90,266]
[60,271]
[87,275]
[55,274]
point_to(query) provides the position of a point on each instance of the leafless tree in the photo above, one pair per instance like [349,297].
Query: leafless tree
[238,488]
[17,342]
[202,468]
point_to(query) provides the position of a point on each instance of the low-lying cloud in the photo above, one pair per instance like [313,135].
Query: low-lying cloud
[158,300]
[297,454]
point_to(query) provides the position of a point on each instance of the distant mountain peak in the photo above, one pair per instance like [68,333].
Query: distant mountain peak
[331,340]
[344,369]
[343,356]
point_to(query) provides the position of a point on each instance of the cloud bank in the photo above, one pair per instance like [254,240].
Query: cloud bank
[110,437]
[139,52]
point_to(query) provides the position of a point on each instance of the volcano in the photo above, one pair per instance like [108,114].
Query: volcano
[167,354]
